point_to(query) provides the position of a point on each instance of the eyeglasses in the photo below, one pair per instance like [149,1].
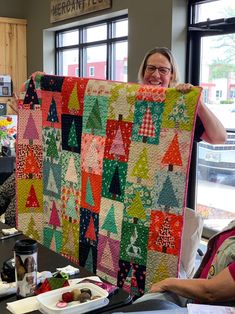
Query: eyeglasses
[162,70]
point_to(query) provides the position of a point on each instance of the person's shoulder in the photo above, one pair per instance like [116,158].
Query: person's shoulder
[226,252]
[231,268]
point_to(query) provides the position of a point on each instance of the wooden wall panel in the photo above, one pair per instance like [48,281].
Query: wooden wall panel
[13,53]
[2,50]
[21,76]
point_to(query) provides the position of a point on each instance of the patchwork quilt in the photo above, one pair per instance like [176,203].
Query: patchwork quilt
[102,171]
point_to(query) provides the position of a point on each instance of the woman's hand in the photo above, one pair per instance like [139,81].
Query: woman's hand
[160,286]
[184,88]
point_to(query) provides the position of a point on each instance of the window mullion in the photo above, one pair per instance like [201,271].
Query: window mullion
[81,52]
[109,52]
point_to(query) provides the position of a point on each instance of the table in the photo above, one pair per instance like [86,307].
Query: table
[150,307]
[50,260]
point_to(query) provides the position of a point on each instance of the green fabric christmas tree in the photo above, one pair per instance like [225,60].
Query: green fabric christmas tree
[94,120]
[110,223]
[72,139]
[74,104]
[140,169]
[136,209]
[89,196]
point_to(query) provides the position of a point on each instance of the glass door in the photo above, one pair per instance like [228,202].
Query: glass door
[211,55]
[216,163]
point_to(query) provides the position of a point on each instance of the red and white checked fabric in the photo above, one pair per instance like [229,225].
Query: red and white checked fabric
[147,127]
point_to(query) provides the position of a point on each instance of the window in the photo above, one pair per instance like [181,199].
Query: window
[212,10]
[98,50]
[91,71]
[211,45]
[218,94]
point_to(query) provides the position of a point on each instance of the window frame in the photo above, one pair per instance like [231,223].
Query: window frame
[82,45]
[196,31]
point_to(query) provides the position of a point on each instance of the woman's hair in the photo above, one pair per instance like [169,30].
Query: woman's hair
[166,53]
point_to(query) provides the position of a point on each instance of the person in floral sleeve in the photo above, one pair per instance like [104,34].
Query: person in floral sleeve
[8,200]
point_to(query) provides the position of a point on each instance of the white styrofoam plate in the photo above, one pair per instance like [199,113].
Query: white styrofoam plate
[48,300]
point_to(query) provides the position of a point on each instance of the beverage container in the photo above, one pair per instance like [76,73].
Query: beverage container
[25,255]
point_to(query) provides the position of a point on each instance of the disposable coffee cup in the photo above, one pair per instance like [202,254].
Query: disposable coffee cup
[25,254]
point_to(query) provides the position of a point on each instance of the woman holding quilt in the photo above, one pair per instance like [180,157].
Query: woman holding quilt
[159,68]
[215,280]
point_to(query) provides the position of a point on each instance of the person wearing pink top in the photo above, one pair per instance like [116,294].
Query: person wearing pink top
[214,282]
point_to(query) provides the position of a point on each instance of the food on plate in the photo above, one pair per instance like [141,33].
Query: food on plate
[83,295]
[67,297]
[86,290]
[76,293]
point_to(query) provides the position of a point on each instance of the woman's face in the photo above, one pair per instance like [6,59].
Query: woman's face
[158,71]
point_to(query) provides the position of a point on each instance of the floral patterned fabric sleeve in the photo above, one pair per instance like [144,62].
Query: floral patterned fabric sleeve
[8,200]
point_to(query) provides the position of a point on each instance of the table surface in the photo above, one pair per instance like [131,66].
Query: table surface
[50,260]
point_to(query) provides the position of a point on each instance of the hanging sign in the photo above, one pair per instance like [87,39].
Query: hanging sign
[66,9]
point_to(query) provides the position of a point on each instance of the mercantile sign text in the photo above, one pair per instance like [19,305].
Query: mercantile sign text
[65,9]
